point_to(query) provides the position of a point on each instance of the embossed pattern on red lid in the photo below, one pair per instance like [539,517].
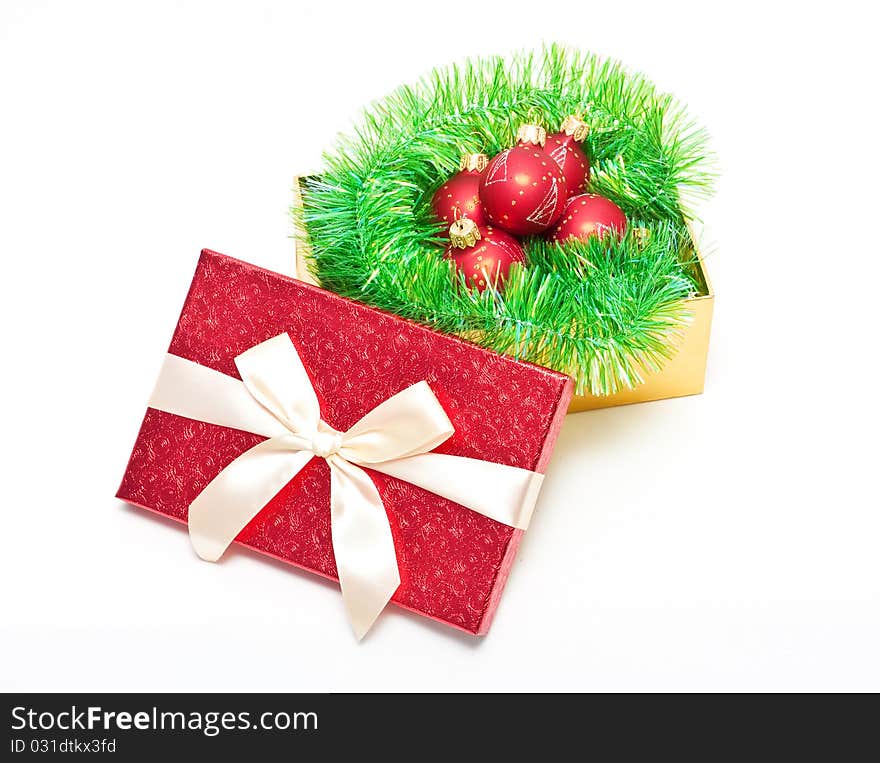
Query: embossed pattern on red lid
[452,561]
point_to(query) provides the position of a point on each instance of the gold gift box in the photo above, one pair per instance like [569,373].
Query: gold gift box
[683,374]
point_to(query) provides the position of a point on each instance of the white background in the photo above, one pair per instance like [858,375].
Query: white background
[722,542]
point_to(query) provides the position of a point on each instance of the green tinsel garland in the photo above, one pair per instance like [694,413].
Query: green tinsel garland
[602,311]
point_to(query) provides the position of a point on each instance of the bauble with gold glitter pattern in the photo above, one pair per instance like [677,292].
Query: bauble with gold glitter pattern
[484,255]
[523,190]
[588,215]
[564,147]
[459,196]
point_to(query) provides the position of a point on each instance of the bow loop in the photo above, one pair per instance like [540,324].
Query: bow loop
[274,374]
[406,424]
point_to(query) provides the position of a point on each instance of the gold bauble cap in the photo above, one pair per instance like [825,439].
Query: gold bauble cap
[473,162]
[531,134]
[576,127]
[463,233]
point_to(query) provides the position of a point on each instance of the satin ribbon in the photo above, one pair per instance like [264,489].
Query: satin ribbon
[275,399]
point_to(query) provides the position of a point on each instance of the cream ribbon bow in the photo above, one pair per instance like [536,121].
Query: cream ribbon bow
[275,399]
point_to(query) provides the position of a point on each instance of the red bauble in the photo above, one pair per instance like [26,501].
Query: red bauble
[484,255]
[522,189]
[589,215]
[459,196]
[565,149]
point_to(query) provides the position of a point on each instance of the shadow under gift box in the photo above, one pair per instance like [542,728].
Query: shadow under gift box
[453,561]
[683,374]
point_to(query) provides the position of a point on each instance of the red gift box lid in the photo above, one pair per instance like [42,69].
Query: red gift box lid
[453,561]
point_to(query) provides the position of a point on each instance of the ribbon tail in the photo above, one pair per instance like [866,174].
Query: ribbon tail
[366,562]
[236,495]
